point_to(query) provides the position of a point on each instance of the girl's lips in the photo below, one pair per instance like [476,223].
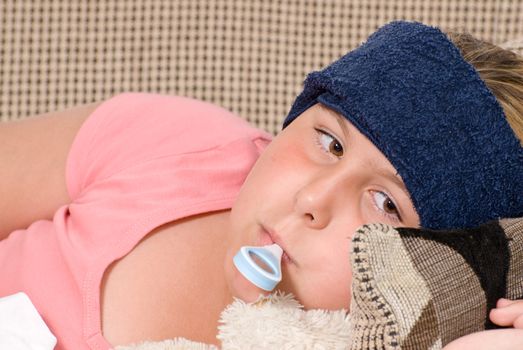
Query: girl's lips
[270,237]
[265,237]
[285,258]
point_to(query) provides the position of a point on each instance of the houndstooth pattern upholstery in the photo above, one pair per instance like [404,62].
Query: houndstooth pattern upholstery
[249,56]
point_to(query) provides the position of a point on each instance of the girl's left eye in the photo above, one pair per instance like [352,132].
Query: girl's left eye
[329,143]
[386,205]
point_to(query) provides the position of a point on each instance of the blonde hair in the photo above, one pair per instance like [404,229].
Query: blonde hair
[501,70]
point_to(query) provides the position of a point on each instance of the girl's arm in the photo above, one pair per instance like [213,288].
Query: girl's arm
[33,154]
[499,339]
[507,313]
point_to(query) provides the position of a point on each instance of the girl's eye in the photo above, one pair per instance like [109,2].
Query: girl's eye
[329,143]
[386,205]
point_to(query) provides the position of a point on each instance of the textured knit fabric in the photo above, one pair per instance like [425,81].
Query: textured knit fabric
[139,161]
[409,90]
[421,289]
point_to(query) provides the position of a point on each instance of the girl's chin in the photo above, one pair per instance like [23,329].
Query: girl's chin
[243,289]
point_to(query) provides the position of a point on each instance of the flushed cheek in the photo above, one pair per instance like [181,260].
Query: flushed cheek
[289,154]
[321,280]
[323,292]
[290,171]
[275,179]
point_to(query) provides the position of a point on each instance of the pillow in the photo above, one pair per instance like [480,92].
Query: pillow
[421,289]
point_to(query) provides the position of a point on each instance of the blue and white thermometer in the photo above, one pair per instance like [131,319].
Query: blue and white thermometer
[260,265]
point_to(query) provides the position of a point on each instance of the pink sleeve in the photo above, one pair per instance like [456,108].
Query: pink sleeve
[133,128]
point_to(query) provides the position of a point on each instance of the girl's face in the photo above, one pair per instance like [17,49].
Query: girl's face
[316,182]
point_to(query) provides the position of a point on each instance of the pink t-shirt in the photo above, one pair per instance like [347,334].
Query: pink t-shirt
[139,161]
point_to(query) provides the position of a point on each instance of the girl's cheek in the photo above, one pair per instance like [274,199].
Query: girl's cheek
[287,155]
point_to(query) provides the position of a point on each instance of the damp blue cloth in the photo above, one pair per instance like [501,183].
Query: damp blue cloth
[409,90]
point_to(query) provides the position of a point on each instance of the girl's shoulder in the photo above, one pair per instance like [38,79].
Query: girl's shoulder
[188,120]
[130,129]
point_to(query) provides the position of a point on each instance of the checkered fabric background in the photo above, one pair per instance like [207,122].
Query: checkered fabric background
[248,56]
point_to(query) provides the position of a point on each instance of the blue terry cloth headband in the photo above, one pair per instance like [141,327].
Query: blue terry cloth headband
[409,90]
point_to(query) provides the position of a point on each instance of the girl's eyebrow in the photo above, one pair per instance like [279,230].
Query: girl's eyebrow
[343,124]
[394,177]
[339,118]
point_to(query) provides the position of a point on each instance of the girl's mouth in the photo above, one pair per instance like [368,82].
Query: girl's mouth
[269,236]
[285,258]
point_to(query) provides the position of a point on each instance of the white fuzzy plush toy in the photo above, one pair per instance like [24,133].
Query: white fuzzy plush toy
[274,322]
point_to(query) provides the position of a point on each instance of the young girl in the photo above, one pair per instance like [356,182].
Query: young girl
[120,219]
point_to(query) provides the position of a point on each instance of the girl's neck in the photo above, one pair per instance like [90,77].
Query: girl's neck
[174,279]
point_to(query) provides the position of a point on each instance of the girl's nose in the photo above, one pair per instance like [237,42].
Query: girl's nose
[315,201]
